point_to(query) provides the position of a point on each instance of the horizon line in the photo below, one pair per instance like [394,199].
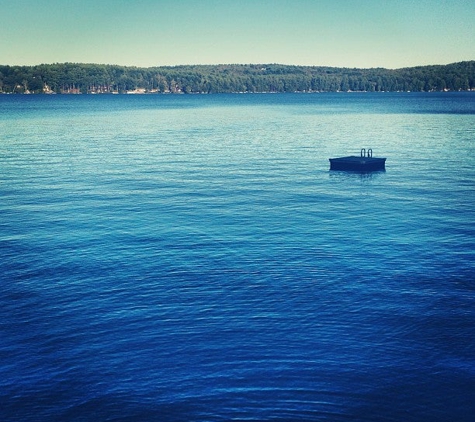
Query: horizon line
[236,64]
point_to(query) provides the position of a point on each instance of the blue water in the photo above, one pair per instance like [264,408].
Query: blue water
[192,258]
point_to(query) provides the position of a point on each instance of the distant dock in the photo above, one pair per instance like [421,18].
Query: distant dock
[365,162]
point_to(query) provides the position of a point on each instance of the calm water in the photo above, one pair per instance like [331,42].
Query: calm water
[192,258]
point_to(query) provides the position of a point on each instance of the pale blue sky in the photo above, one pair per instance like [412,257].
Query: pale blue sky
[344,33]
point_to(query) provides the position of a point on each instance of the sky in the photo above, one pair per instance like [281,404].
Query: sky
[146,33]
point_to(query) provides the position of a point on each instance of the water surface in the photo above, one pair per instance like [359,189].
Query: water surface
[192,258]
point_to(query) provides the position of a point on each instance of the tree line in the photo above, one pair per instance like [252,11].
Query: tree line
[78,78]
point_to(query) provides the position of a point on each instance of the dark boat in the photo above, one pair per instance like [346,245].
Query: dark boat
[365,162]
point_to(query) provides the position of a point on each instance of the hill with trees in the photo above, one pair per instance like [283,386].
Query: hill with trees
[74,78]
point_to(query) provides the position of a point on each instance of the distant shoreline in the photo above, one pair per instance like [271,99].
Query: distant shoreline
[77,78]
[218,93]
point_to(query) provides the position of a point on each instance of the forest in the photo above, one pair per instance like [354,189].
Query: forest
[77,78]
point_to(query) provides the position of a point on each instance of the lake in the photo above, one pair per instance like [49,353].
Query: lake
[192,258]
